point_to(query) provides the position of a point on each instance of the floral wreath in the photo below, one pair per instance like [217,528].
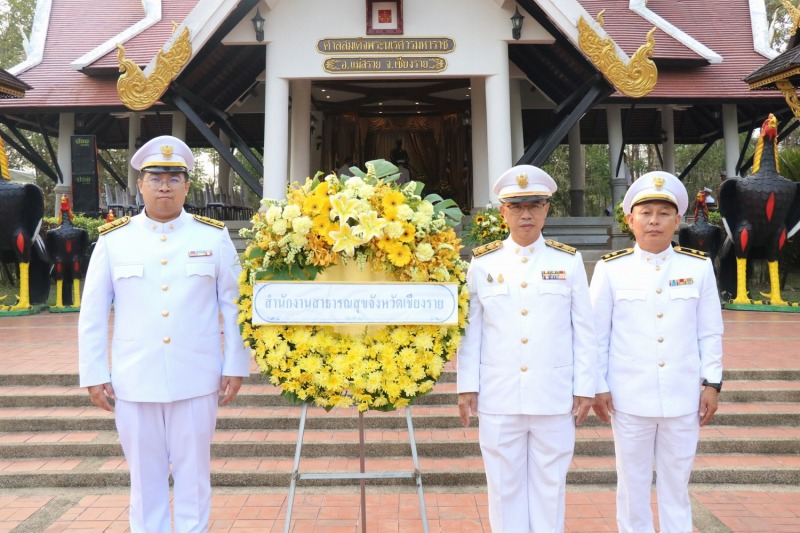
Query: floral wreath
[381,226]
[486,226]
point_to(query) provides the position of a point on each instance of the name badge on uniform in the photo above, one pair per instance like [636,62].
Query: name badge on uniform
[681,282]
[200,253]
[554,275]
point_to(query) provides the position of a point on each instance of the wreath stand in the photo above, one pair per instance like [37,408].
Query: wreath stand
[362,476]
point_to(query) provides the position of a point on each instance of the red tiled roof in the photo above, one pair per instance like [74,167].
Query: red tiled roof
[722,25]
[629,31]
[143,47]
[75,29]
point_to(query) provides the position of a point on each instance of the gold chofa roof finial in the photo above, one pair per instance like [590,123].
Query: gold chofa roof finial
[637,77]
[794,14]
[139,92]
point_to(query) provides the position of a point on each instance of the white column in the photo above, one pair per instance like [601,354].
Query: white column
[224,169]
[300,147]
[481,181]
[179,126]
[498,119]
[515,100]
[730,133]
[276,132]
[577,173]
[618,180]
[134,130]
[668,147]
[66,129]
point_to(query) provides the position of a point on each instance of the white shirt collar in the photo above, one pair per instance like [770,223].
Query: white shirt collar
[651,258]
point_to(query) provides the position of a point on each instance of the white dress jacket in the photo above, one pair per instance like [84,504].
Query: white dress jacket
[659,330]
[169,283]
[529,345]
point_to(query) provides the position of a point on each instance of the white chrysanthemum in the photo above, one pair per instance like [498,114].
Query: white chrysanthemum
[425,207]
[279,227]
[297,240]
[273,214]
[404,212]
[394,229]
[421,220]
[290,212]
[365,191]
[354,183]
[302,225]
[424,252]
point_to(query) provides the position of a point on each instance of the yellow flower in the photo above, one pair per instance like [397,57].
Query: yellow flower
[343,207]
[408,233]
[312,205]
[393,200]
[344,240]
[369,226]
[399,254]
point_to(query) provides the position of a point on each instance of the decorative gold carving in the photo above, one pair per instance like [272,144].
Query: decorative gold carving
[4,172]
[790,95]
[794,14]
[137,91]
[637,78]
[774,79]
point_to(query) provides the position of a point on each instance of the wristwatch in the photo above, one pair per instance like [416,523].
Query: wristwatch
[717,386]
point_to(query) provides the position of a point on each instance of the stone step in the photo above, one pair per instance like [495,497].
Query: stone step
[467,471]
[455,443]
[448,376]
[23,419]
[444,393]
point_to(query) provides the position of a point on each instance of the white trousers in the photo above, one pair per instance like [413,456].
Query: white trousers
[155,436]
[671,443]
[526,459]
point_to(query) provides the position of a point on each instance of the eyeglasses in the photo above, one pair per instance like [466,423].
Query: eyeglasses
[173,182]
[519,209]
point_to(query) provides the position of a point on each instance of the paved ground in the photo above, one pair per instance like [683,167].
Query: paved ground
[47,343]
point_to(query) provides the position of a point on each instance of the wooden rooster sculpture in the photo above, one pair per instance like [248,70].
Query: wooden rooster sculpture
[760,213]
[701,235]
[21,212]
[67,246]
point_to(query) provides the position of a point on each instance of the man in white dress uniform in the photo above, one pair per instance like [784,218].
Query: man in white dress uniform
[527,362]
[170,277]
[659,329]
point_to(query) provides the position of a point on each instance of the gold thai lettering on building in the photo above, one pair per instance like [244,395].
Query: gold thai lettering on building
[637,78]
[352,65]
[383,45]
[137,91]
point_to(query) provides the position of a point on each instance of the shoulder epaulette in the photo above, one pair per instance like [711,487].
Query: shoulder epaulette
[558,246]
[114,224]
[210,221]
[487,248]
[617,254]
[691,252]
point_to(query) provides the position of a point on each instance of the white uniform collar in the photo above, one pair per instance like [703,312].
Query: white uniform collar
[162,227]
[517,249]
[653,259]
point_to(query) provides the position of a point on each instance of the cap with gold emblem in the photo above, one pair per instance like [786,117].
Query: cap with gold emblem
[657,185]
[163,154]
[524,183]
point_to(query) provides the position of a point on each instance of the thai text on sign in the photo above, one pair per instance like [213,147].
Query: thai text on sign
[336,303]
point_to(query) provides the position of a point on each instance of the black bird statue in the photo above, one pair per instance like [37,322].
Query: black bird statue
[21,212]
[701,234]
[67,246]
[761,212]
